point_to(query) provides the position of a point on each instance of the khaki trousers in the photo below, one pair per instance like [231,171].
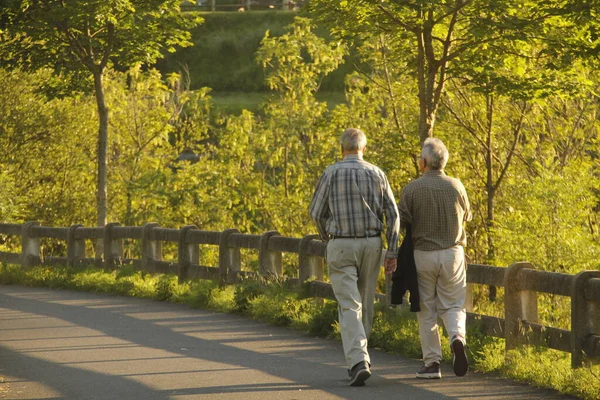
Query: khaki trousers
[353,271]
[442,288]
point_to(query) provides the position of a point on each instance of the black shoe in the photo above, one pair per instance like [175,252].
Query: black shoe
[430,372]
[459,359]
[359,374]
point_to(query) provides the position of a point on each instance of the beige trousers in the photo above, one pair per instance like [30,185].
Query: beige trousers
[442,279]
[353,271]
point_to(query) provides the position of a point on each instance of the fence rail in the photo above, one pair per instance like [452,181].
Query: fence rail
[521,281]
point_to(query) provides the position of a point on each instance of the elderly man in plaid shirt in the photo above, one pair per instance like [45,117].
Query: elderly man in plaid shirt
[348,208]
[437,206]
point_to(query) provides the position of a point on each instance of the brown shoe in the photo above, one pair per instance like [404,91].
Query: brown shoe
[430,372]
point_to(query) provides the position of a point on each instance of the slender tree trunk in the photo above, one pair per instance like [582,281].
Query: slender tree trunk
[491,190]
[285,176]
[388,81]
[101,152]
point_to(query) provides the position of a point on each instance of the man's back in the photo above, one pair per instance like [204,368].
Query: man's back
[351,199]
[435,205]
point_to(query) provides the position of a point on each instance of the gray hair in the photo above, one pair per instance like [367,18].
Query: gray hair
[353,139]
[435,153]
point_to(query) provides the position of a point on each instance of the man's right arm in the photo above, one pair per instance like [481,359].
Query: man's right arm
[319,206]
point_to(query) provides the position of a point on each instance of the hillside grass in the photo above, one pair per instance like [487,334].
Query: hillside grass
[394,330]
[223,54]
[235,102]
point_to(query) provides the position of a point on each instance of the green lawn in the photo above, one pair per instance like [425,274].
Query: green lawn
[235,102]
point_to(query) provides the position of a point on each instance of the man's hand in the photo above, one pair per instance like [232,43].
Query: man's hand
[390,265]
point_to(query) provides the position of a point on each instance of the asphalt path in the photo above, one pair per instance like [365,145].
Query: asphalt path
[57,344]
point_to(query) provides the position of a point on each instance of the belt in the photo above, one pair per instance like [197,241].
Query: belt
[354,237]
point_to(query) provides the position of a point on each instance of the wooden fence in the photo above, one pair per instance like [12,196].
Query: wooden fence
[520,280]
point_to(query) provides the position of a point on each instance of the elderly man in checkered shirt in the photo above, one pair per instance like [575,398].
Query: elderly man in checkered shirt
[437,206]
[348,208]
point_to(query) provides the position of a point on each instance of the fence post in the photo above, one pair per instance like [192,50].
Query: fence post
[229,257]
[113,248]
[75,246]
[519,305]
[269,261]
[151,249]
[187,253]
[585,317]
[308,266]
[30,246]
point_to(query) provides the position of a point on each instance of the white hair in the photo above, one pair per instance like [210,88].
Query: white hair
[435,153]
[353,139]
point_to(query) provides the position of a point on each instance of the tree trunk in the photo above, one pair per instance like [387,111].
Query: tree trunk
[426,123]
[491,190]
[101,194]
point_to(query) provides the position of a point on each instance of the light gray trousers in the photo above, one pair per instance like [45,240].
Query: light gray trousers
[353,270]
[442,277]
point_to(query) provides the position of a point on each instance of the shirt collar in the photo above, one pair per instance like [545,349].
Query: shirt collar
[436,172]
[350,157]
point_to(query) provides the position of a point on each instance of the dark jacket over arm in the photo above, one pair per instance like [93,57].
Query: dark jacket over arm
[405,276]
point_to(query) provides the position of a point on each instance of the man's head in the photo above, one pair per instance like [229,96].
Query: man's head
[353,141]
[434,154]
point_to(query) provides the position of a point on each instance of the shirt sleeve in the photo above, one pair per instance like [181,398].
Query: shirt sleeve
[319,206]
[392,218]
[404,208]
[468,216]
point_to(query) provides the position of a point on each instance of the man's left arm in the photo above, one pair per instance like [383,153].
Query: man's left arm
[467,207]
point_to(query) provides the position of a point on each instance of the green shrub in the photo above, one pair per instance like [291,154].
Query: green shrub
[55,278]
[222,299]
[200,292]
[165,287]
[11,274]
[245,293]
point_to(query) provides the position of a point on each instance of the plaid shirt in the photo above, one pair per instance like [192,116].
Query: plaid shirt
[350,200]
[436,206]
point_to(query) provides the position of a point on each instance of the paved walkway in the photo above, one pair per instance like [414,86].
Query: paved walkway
[74,345]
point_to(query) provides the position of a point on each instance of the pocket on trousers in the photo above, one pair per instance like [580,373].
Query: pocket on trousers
[340,256]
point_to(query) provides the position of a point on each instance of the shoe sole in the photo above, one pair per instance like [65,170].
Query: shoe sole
[433,375]
[460,362]
[360,378]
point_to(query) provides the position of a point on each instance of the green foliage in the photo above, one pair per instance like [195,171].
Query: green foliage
[296,148]
[277,308]
[550,368]
[123,32]
[165,287]
[245,293]
[396,330]
[47,158]
[11,274]
[223,55]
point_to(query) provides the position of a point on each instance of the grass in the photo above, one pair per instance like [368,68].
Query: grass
[235,102]
[394,330]
[223,53]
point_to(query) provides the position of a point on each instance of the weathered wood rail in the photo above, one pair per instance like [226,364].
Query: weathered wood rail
[521,281]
